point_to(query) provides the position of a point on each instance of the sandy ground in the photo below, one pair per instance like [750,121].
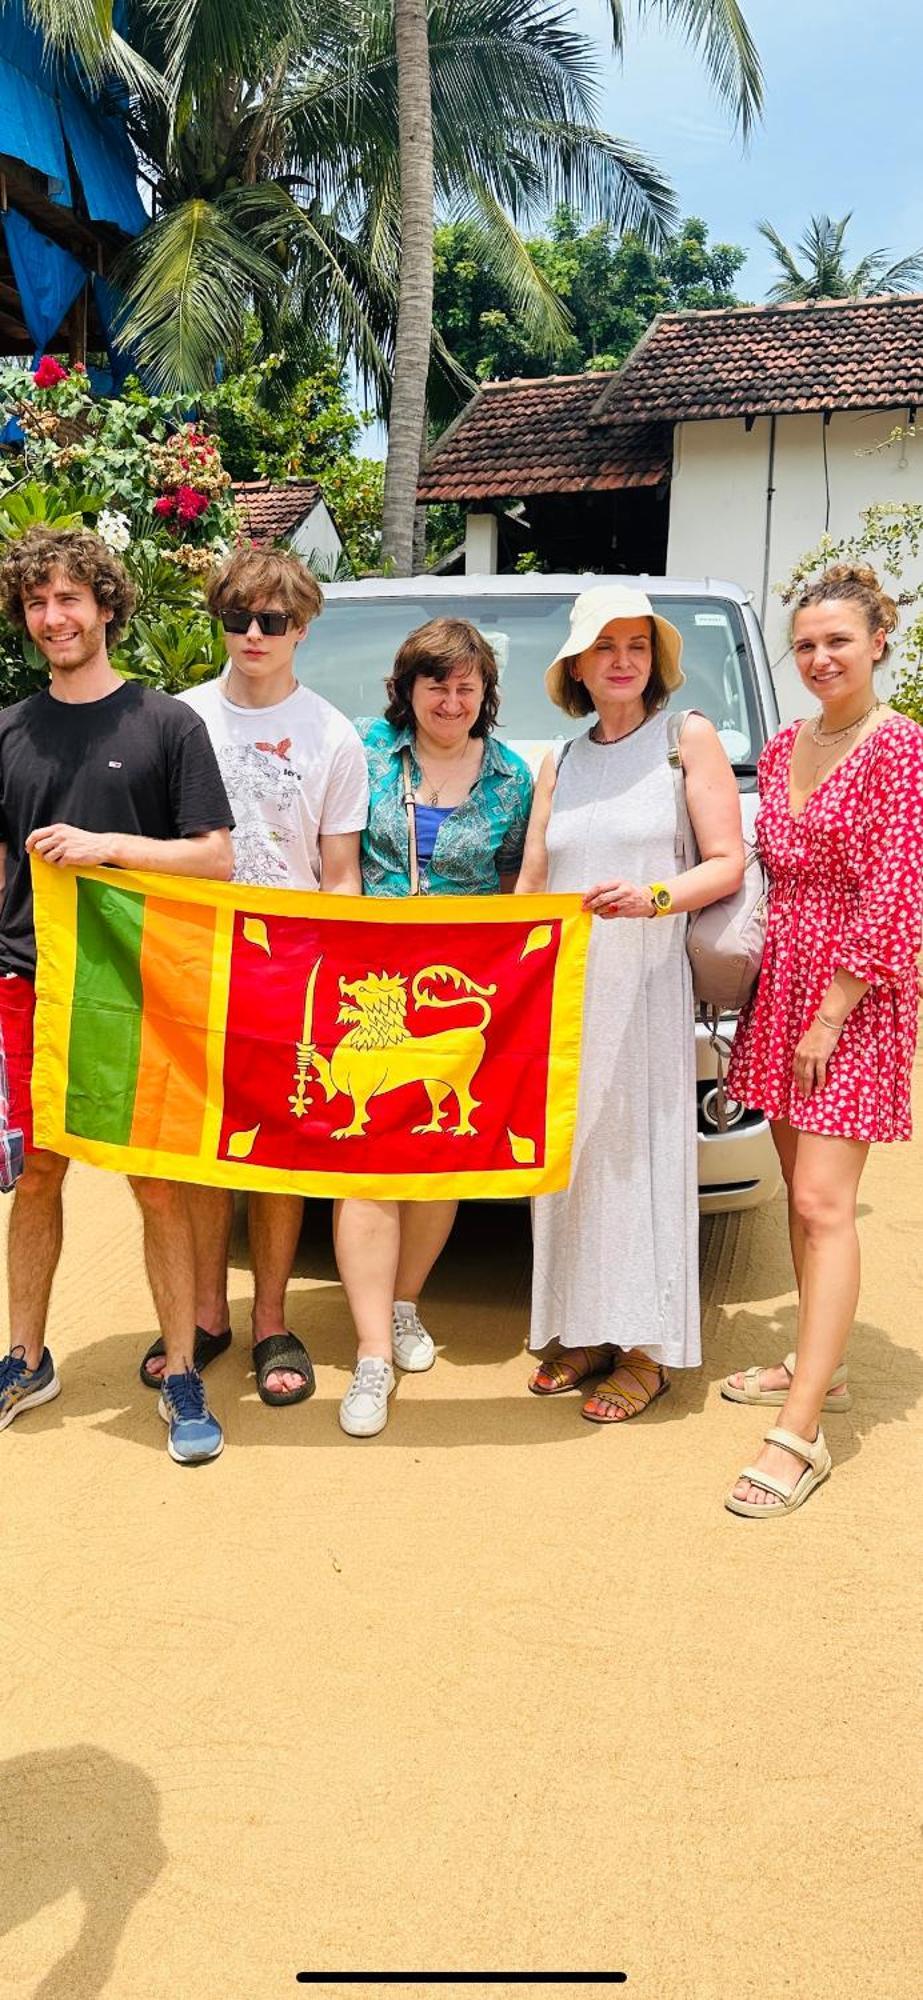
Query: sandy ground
[495,1692]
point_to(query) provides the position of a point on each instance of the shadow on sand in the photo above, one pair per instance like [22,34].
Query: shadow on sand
[77,1819]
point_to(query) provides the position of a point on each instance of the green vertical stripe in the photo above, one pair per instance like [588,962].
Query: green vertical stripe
[105,1033]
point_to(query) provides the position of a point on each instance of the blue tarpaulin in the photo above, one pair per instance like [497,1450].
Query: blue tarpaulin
[40,107]
[30,126]
[48,278]
[105,163]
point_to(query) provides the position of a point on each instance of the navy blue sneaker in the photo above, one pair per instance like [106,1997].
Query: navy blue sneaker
[195,1435]
[21,1386]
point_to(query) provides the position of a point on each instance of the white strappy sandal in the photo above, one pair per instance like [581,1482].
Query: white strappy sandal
[751,1392]
[818,1468]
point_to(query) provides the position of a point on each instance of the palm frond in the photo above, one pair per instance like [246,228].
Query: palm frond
[607,177]
[792,285]
[187,284]
[342,292]
[546,321]
[81,32]
[719,30]
[875,275]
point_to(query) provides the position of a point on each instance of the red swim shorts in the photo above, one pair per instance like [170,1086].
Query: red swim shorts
[17,1008]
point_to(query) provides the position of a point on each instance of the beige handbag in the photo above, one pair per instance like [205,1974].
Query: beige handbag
[725,941]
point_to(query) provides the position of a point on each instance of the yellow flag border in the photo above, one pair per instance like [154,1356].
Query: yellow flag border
[55,900]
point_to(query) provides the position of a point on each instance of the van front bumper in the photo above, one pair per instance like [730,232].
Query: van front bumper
[738,1168]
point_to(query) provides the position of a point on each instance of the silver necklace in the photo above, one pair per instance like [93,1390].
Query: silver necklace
[821,738]
[434,790]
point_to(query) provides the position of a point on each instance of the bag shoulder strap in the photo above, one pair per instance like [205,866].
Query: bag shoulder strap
[684,843]
[413,865]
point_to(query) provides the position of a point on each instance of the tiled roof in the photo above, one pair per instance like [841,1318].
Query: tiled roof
[521,437]
[273,507]
[839,354]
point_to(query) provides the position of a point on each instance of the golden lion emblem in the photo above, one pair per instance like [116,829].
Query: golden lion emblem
[379,1052]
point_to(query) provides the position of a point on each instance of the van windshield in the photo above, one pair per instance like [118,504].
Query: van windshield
[349,651]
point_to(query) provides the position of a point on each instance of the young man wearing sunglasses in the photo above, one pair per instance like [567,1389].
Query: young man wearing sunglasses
[295,773]
[95,771]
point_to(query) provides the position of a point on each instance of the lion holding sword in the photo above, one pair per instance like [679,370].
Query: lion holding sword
[379,1052]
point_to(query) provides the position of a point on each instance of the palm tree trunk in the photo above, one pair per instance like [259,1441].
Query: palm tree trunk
[415,298]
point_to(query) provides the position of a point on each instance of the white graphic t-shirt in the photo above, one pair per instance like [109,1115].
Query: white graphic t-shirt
[291,772]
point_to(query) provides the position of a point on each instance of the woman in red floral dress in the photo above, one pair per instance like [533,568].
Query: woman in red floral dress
[826,1045]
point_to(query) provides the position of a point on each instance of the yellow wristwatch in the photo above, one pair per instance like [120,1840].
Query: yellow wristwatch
[661,899]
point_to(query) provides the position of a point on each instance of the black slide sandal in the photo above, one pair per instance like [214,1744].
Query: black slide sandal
[206,1348]
[282,1351]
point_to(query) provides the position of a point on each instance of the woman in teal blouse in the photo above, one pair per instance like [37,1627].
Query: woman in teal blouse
[448,812]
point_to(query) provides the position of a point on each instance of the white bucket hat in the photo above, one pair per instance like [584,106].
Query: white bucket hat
[597,607]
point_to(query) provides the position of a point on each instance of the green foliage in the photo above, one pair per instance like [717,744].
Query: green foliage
[105,464]
[34,505]
[271,424]
[170,652]
[353,489]
[610,287]
[445,529]
[891,539]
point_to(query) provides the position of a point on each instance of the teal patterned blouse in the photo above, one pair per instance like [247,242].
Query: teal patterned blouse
[482,838]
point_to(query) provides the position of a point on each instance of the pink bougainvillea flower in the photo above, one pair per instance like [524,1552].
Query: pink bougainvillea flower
[165,505]
[48,373]
[190,503]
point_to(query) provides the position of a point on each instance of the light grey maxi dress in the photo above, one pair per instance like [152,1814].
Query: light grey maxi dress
[616,1254]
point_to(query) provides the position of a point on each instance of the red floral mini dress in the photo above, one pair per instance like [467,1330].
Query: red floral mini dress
[845,892]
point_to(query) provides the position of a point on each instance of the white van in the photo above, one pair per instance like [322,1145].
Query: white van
[348,655]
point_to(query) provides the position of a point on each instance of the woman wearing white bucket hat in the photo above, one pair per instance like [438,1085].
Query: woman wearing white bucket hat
[615,1284]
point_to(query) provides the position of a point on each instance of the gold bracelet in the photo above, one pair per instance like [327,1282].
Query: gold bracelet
[834,1027]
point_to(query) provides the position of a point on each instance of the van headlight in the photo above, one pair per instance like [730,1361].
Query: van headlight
[708,1107]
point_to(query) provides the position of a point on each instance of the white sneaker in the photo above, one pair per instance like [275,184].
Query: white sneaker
[364,1409]
[414,1348]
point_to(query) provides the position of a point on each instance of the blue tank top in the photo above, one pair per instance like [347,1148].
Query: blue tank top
[428,821]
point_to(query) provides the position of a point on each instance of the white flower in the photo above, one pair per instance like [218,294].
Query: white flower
[113,529]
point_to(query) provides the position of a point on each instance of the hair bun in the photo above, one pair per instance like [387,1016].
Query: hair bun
[856,582]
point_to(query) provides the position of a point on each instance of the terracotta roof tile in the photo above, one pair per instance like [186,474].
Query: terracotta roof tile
[273,507]
[838,354]
[521,437]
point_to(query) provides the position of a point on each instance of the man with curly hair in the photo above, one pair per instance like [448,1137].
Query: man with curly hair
[95,771]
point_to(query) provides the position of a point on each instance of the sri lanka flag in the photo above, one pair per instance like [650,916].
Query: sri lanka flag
[307,1044]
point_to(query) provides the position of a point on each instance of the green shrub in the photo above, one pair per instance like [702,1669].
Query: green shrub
[150,483]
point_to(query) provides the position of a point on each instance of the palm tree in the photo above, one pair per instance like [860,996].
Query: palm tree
[414,333]
[268,131]
[823,273]
[272,152]
[717,26]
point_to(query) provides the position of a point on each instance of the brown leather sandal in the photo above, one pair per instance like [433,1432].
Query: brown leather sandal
[613,1403]
[555,1377]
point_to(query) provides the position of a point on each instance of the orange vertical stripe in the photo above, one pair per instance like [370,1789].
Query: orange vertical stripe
[176,966]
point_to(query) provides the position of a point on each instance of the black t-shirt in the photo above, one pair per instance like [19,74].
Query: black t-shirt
[136,762]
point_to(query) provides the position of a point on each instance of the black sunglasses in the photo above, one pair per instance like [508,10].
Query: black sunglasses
[272,624]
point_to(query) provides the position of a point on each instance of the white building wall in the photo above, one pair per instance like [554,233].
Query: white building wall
[718,503]
[318,537]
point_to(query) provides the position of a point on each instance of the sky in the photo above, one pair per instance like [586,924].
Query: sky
[841,127]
